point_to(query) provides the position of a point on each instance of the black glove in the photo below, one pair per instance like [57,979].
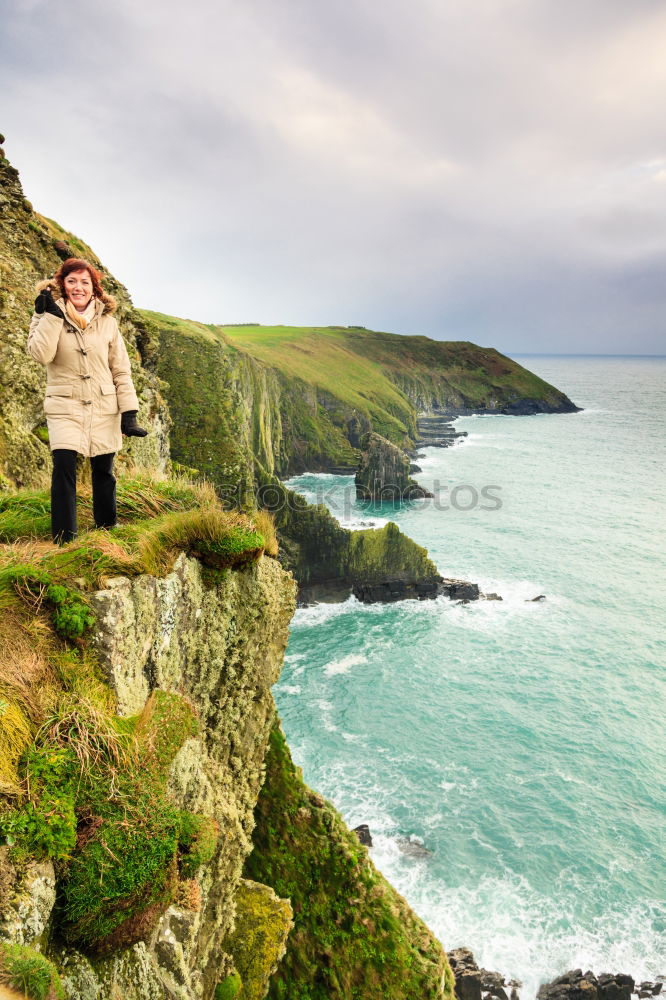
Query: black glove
[44,303]
[129,426]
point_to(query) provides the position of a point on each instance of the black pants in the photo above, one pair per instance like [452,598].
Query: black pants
[63,493]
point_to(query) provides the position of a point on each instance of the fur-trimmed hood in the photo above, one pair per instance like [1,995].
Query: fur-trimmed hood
[108,301]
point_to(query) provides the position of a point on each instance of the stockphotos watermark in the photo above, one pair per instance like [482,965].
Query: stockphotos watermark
[343,503]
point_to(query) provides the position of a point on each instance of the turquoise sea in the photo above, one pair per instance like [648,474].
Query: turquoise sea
[520,744]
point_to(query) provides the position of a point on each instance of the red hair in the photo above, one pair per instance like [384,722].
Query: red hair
[79,264]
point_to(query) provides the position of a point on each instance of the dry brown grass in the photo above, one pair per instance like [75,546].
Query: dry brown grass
[15,735]
[88,731]
[27,686]
[24,551]
[189,895]
[266,526]
[7,993]
[26,676]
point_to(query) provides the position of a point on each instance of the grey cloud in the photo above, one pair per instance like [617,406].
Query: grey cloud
[494,172]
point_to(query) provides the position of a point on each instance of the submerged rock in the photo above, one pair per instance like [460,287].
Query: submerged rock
[413,848]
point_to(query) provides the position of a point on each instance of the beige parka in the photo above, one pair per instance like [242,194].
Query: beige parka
[88,376]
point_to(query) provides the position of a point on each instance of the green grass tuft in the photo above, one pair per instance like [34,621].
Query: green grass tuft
[27,970]
[228,988]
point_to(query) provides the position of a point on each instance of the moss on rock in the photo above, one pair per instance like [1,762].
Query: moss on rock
[229,988]
[258,942]
[197,840]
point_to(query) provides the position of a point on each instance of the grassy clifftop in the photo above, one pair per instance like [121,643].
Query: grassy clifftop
[316,390]
[380,371]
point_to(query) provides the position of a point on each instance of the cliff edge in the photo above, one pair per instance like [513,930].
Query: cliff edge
[137,729]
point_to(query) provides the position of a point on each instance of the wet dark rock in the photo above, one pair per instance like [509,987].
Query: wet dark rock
[471,981]
[436,432]
[615,987]
[401,590]
[540,597]
[363,833]
[526,406]
[492,597]
[459,590]
[576,985]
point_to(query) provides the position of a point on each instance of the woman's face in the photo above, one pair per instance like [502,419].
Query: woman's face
[78,288]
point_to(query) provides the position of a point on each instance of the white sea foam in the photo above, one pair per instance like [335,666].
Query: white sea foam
[520,932]
[358,523]
[344,665]
[352,737]
[326,709]
[317,614]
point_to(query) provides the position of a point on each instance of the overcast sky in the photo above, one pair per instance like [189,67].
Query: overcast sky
[491,170]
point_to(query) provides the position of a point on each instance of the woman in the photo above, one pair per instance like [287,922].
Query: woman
[90,398]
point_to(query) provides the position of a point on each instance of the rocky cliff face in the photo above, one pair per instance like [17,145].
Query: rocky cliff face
[234,415]
[213,641]
[383,472]
[220,647]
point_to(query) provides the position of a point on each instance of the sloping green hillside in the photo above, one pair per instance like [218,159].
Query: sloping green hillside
[327,358]
[370,369]
[300,398]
